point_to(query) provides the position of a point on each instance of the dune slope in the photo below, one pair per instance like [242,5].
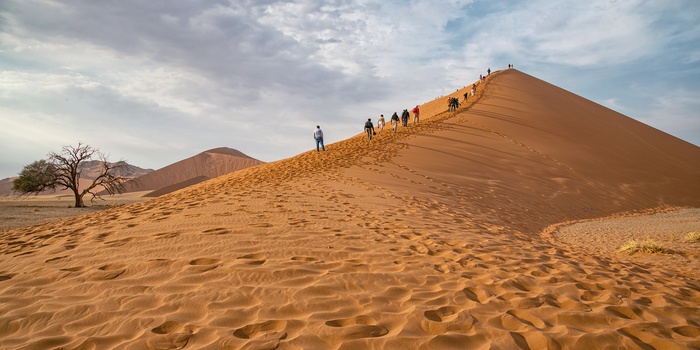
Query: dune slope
[530,154]
[423,239]
[206,165]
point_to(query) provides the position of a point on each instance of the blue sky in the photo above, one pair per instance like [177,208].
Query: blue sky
[154,81]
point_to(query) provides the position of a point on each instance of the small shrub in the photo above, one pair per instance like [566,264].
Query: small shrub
[646,246]
[692,237]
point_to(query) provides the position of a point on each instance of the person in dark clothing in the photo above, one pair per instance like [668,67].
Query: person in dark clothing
[369,129]
[395,121]
[404,117]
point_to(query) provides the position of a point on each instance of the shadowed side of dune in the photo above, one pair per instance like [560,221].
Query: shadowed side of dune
[206,165]
[530,154]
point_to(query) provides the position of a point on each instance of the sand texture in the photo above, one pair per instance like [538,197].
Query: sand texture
[445,235]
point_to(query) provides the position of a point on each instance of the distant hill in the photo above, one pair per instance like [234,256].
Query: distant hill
[89,171]
[201,167]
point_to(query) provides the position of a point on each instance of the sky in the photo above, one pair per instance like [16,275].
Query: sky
[154,82]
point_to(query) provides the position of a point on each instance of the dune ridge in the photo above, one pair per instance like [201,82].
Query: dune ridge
[187,172]
[427,238]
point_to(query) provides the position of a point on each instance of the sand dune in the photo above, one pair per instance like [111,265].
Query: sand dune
[187,172]
[436,237]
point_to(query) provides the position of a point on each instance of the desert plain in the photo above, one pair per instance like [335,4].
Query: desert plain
[492,227]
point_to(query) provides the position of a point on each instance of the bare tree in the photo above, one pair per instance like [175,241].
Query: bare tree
[63,170]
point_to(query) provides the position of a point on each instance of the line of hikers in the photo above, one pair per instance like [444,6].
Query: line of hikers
[452,105]
[395,119]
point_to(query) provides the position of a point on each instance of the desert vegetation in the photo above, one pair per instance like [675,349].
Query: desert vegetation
[645,246]
[692,237]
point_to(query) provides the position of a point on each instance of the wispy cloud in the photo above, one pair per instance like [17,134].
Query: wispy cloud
[155,82]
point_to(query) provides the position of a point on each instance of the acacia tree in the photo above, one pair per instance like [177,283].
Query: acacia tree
[63,170]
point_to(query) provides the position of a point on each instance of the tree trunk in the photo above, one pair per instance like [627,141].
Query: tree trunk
[79,200]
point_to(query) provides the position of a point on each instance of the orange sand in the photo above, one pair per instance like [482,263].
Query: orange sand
[436,237]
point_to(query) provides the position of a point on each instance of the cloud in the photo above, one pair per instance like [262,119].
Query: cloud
[676,111]
[157,81]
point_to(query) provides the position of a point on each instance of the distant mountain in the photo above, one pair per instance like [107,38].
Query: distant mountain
[201,167]
[89,171]
[6,187]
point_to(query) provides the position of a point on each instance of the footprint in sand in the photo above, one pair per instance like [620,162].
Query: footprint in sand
[251,259]
[688,331]
[102,236]
[528,319]
[624,312]
[304,258]
[205,264]
[478,295]
[166,235]
[6,276]
[534,340]
[170,335]
[264,335]
[605,297]
[73,269]
[204,261]
[267,329]
[56,259]
[108,272]
[447,319]
[354,328]
[217,231]
[119,242]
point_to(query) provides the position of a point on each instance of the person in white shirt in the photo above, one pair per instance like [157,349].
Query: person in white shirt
[318,136]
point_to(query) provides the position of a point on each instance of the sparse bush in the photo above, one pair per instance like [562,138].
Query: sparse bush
[692,237]
[646,246]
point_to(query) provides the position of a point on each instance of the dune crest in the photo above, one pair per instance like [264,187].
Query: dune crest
[426,238]
[187,172]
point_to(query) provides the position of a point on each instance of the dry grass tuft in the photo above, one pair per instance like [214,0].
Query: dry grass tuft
[692,237]
[646,246]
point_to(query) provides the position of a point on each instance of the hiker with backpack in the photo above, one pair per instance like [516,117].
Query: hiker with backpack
[369,129]
[395,121]
[404,117]
[416,115]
